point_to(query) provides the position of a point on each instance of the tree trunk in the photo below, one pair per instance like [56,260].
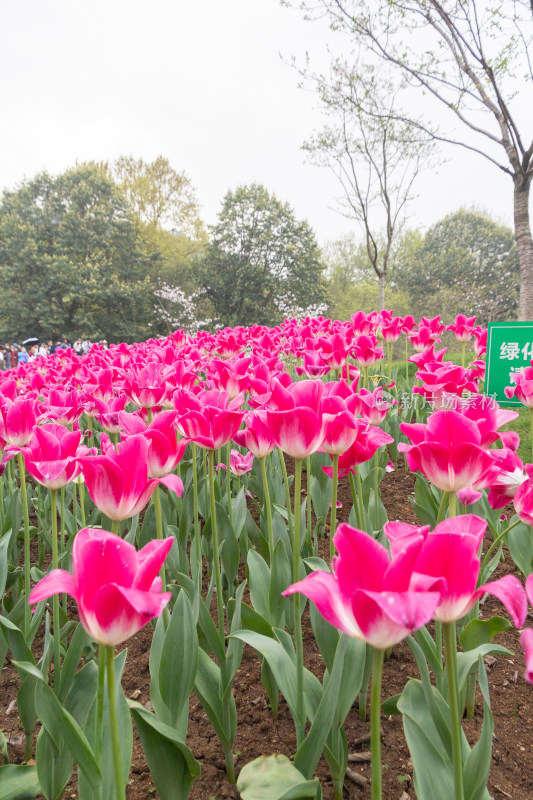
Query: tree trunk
[382,291]
[524,243]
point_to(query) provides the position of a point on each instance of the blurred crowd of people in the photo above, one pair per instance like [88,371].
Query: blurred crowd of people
[11,355]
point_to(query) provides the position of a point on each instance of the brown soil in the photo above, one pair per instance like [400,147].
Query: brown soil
[259,734]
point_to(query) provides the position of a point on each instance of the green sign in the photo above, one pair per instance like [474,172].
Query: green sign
[509,351]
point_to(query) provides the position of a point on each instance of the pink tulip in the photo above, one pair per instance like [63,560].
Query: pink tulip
[489,417]
[480,341]
[165,451]
[374,407]
[503,488]
[314,365]
[148,387]
[240,464]
[213,419]
[51,456]
[118,481]
[368,439]
[523,390]
[422,338]
[367,595]
[447,450]
[526,637]
[17,419]
[295,418]
[366,351]
[63,407]
[117,589]
[523,498]
[106,412]
[448,559]
[463,328]
[256,436]
[230,376]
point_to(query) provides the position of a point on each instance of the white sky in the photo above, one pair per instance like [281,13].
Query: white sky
[200,82]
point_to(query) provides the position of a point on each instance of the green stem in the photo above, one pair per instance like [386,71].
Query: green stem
[159,530]
[216,558]
[287,490]
[228,482]
[115,526]
[27,562]
[63,596]
[197,541]
[82,504]
[120,793]
[452,508]
[356,502]
[450,649]
[40,542]
[2,505]
[298,640]
[308,501]
[333,515]
[360,497]
[463,355]
[442,507]
[268,505]
[375,728]
[376,486]
[55,598]
[99,722]
[494,545]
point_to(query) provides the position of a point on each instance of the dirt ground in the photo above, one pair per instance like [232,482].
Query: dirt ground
[259,734]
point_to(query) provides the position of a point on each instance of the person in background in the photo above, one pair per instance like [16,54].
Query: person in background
[14,354]
[2,358]
[7,356]
[23,356]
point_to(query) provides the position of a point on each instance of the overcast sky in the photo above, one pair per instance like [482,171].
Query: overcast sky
[200,82]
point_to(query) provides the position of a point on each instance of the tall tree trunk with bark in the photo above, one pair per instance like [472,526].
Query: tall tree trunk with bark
[524,242]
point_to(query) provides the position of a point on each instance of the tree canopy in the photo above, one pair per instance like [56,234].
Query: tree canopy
[72,260]
[262,263]
[465,263]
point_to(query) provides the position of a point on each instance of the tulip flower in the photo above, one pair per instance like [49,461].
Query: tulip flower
[294,416]
[51,456]
[367,595]
[213,419]
[449,556]
[118,481]
[369,438]
[480,341]
[503,489]
[523,498]
[18,418]
[447,450]
[374,406]
[256,436]
[523,390]
[165,450]
[526,637]
[463,328]
[117,588]
[366,351]
[240,464]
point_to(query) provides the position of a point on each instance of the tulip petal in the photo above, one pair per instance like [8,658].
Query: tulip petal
[362,561]
[118,612]
[385,618]
[56,582]
[511,593]
[322,588]
[151,559]
[526,640]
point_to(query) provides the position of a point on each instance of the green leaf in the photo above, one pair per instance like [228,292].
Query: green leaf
[482,631]
[275,778]
[259,573]
[390,705]
[172,765]
[208,690]
[179,659]
[18,782]
[280,578]
[520,543]
[433,772]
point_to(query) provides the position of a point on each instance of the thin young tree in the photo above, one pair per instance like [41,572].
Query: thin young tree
[472,57]
[375,156]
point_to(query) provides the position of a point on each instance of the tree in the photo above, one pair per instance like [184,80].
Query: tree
[351,282]
[262,263]
[159,195]
[471,57]
[72,260]
[466,263]
[375,156]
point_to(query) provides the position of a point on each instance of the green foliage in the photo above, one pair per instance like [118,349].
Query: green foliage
[72,260]
[262,264]
[466,263]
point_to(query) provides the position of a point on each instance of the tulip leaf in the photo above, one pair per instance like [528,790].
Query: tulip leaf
[390,705]
[239,509]
[205,621]
[72,660]
[482,631]
[280,578]
[62,729]
[5,541]
[310,750]
[172,765]
[520,543]
[433,772]
[259,573]
[208,690]
[326,635]
[19,782]
[178,663]
[275,778]
[253,621]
